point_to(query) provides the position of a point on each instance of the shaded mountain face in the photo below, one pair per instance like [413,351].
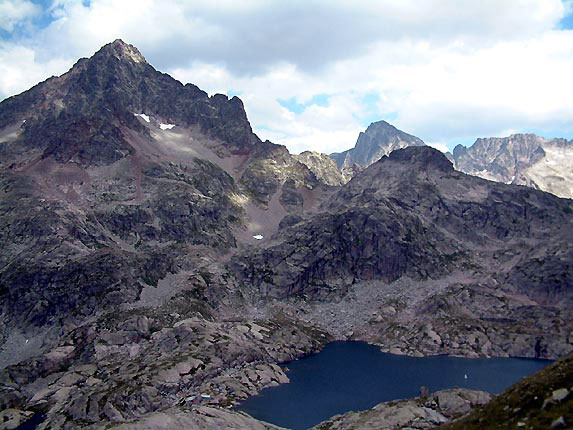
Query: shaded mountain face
[154,248]
[523,159]
[379,139]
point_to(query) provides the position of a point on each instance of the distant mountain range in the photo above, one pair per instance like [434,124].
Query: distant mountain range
[520,159]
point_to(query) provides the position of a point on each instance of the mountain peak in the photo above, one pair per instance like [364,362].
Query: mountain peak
[121,50]
[379,139]
[381,124]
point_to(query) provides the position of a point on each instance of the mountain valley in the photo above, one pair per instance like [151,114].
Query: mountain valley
[159,260]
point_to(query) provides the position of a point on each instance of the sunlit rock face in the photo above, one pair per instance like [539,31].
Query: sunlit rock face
[521,159]
[324,167]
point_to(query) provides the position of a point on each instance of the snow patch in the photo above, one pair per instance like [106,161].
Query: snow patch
[258,236]
[166,126]
[142,115]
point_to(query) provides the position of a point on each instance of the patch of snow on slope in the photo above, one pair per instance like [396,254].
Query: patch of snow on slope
[166,126]
[142,115]
[258,236]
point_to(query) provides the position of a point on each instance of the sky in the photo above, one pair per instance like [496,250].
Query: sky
[312,74]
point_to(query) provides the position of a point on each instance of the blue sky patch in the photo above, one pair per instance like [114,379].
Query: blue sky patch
[567,22]
[371,111]
[295,107]
[23,28]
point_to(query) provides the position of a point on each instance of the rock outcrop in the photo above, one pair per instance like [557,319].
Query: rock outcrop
[420,413]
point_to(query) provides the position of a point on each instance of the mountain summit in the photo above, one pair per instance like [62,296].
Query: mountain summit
[81,115]
[122,51]
[379,139]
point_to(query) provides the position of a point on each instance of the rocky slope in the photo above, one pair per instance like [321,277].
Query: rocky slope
[379,139]
[523,159]
[159,259]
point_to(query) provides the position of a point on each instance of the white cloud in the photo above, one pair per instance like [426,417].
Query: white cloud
[447,71]
[444,94]
[13,12]
[20,70]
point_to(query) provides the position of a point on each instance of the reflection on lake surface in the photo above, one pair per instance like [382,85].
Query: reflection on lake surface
[347,376]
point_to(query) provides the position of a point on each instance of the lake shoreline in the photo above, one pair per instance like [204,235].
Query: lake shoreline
[373,353]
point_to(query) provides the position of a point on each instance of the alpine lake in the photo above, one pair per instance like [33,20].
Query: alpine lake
[353,376]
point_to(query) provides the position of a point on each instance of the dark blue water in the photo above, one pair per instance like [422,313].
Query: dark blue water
[32,423]
[352,376]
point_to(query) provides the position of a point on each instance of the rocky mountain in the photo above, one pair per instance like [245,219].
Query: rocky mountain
[379,139]
[520,159]
[116,165]
[118,185]
[409,244]
[523,159]
[159,259]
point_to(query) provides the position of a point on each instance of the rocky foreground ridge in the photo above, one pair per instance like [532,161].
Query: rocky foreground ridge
[159,259]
